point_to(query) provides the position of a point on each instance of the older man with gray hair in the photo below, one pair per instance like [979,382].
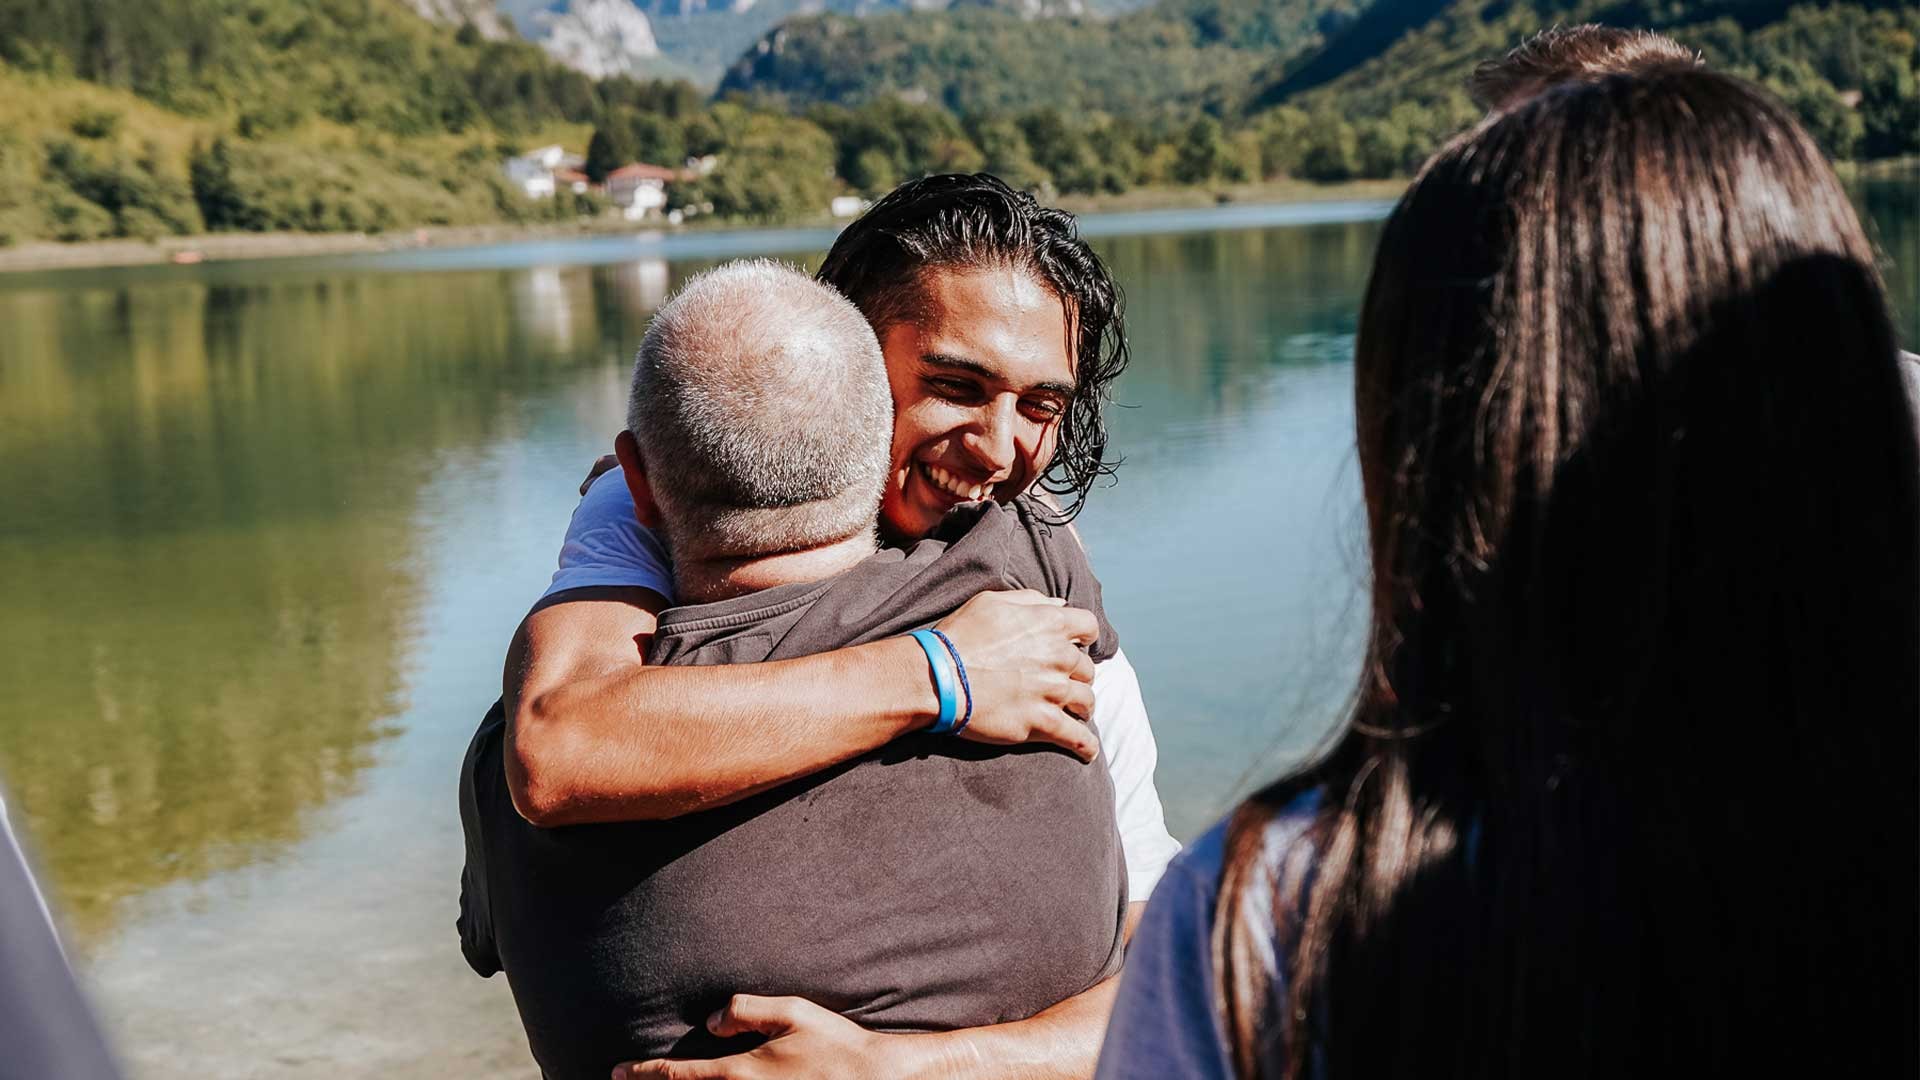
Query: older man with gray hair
[930,885]
[758,422]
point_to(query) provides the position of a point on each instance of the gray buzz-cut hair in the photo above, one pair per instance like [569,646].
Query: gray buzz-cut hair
[761,407]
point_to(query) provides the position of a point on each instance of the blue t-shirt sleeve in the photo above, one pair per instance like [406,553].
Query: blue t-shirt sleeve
[1164,1021]
[607,546]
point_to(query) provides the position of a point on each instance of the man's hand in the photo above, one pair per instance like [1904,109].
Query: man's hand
[804,1041]
[1030,681]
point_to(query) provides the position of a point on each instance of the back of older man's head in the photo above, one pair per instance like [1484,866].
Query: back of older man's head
[762,413]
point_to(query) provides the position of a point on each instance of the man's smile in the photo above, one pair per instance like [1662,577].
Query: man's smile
[952,484]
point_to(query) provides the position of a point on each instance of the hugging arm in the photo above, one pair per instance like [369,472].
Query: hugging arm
[595,734]
[808,1042]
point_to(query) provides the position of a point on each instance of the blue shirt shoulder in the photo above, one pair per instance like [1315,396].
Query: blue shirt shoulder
[1165,1022]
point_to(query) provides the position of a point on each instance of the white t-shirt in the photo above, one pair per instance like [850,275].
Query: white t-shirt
[607,546]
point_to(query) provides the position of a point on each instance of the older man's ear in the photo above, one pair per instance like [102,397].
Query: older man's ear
[627,449]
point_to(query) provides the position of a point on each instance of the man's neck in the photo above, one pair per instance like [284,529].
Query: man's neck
[707,581]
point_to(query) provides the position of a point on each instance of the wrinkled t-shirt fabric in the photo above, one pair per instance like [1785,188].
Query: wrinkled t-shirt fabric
[931,884]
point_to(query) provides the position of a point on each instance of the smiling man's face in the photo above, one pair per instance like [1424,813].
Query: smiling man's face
[980,383]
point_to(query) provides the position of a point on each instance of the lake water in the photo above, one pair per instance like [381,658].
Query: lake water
[268,527]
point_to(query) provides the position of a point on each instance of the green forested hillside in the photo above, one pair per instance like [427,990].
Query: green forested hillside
[141,118]
[1850,70]
[1335,90]
[270,64]
[1155,61]
[313,114]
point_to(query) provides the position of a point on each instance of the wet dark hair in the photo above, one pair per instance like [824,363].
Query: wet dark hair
[1631,786]
[959,222]
[1561,54]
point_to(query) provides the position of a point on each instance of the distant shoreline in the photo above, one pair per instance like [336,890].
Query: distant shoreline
[236,247]
[1265,193]
[233,247]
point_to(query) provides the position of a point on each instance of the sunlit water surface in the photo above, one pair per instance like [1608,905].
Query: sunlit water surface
[267,528]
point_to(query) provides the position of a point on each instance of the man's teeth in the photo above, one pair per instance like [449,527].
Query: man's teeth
[951,484]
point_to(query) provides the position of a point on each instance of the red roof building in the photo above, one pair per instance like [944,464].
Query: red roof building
[640,170]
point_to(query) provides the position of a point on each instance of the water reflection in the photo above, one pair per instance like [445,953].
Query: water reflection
[644,282]
[209,564]
[1226,544]
[1208,311]
[1890,207]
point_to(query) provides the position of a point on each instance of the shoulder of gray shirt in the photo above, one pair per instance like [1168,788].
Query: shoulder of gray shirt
[1039,552]
[978,547]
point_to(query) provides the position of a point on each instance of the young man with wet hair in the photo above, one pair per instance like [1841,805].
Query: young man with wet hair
[930,885]
[1002,333]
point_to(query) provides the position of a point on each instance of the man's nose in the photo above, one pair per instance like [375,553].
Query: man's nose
[991,442]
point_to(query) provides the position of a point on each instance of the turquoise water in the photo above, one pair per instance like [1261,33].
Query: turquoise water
[268,528]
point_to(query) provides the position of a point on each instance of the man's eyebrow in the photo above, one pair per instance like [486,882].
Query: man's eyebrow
[968,364]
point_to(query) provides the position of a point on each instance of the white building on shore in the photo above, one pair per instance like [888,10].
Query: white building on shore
[533,172]
[640,190]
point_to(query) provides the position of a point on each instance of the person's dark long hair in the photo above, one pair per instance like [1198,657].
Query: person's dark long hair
[966,222]
[1632,785]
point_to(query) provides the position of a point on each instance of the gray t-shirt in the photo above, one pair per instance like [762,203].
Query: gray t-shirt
[929,885]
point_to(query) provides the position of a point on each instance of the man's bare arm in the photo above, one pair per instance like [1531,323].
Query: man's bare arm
[595,734]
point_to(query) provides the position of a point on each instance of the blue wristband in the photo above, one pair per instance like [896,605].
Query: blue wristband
[942,664]
[959,666]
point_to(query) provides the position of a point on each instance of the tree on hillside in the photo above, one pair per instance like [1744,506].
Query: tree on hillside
[703,135]
[610,148]
[1829,117]
[869,153]
[1116,147]
[657,139]
[1061,150]
[772,167]
[1332,150]
[1283,137]
[1007,154]
[1890,107]
[210,174]
[1200,157]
